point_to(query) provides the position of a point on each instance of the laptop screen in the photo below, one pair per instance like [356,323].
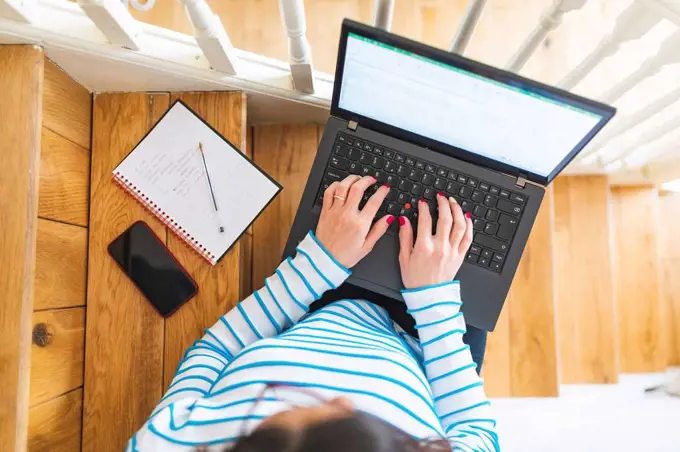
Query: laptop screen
[504,121]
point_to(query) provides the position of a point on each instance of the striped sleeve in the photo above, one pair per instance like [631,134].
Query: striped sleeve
[461,403]
[283,300]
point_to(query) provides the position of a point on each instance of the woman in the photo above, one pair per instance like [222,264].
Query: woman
[269,376]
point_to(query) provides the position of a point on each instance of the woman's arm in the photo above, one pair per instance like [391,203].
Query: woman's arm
[434,301]
[344,236]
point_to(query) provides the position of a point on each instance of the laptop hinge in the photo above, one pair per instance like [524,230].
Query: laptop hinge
[521,181]
[352,125]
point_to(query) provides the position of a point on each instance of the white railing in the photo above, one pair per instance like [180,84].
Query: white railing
[106,28]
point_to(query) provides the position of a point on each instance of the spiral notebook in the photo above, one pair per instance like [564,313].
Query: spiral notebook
[208,200]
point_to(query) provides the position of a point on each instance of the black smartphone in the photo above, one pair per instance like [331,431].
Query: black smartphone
[153,269]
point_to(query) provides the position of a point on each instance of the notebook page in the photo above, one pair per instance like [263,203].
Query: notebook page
[167,167]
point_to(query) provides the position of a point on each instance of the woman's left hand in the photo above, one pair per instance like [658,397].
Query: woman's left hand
[345,230]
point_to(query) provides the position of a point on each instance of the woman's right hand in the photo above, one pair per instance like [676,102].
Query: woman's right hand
[434,258]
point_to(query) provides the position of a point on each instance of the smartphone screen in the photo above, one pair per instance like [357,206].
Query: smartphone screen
[149,264]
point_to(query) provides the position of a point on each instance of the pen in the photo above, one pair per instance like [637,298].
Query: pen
[207,175]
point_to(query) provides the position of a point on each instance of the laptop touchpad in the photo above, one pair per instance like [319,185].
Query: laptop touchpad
[381,266]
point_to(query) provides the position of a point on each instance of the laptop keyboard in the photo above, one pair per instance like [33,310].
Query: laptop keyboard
[495,211]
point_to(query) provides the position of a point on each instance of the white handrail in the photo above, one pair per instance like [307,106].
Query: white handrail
[467,27]
[211,36]
[645,138]
[668,53]
[299,50]
[550,20]
[382,14]
[114,20]
[632,23]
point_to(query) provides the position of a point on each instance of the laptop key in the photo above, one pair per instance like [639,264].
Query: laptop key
[403,198]
[498,258]
[474,249]
[392,180]
[388,153]
[391,195]
[420,165]
[441,172]
[405,185]
[429,193]
[495,266]
[366,171]
[339,163]
[341,150]
[378,162]
[368,147]
[452,188]
[504,193]
[490,201]
[430,168]
[427,179]
[472,183]
[471,258]
[478,224]
[415,174]
[359,144]
[417,190]
[484,186]
[477,196]
[507,227]
[399,158]
[492,215]
[462,179]
[393,208]
[514,197]
[494,190]
[390,166]
[490,228]
[490,242]
[466,205]
[465,191]
[486,253]
[334,175]
[343,139]
[479,211]
[354,154]
[381,176]
[365,158]
[355,168]
[403,170]
[508,207]
[440,184]
[483,261]
[452,175]
[409,161]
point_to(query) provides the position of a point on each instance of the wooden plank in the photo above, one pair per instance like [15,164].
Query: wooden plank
[219,285]
[496,369]
[669,252]
[64,180]
[61,265]
[286,153]
[21,82]
[67,106]
[124,334]
[636,279]
[57,363]
[531,305]
[583,272]
[55,425]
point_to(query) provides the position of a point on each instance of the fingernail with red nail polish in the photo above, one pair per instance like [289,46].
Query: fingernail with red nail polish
[467,215]
[390,219]
[402,221]
[441,193]
[386,185]
[421,200]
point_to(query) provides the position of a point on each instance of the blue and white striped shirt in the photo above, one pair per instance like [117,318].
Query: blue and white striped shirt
[428,388]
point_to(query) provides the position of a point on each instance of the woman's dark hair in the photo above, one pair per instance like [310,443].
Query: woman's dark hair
[356,433]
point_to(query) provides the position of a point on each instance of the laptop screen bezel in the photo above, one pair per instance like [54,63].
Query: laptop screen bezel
[350,26]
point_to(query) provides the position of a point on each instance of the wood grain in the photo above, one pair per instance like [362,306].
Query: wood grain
[669,259]
[496,368]
[64,180]
[585,302]
[57,367]
[21,81]
[55,425]
[61,265]
[67,106]
[219,286]
[531,305]
[124,334]
[642,343]
[286,153]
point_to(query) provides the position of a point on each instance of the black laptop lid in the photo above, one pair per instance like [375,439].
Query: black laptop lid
[460,107]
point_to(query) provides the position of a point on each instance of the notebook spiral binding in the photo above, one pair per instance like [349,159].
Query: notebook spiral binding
[179,231]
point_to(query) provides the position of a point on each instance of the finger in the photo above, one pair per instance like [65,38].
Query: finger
[459,227]
[356,191]
[378,229]
[467,237]
[445,221]
[405,240]
[375,201]
[328,197]
[424,222]
[342,190]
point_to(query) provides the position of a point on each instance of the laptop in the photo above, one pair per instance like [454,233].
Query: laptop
[424,120]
